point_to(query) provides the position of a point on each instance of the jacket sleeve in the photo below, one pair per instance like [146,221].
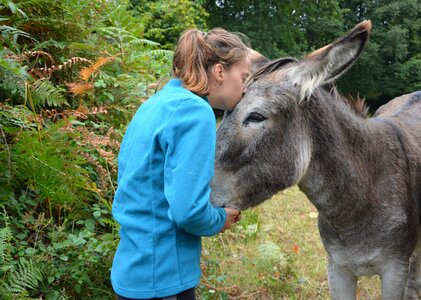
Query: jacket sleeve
[190,137]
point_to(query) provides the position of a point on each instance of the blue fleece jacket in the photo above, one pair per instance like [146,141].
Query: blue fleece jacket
[162,203]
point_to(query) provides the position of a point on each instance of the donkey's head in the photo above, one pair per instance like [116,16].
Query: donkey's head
[264,145]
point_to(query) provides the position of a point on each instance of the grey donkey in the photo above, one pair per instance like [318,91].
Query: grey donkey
[363,175]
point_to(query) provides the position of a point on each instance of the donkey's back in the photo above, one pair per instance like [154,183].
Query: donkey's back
[403,114]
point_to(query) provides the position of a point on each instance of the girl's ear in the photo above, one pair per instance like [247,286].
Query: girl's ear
[218,73]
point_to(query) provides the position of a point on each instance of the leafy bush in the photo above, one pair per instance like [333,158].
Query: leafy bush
[71,76]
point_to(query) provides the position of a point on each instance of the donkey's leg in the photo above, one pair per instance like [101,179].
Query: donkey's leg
[413,282]
[393,277]
[342,282]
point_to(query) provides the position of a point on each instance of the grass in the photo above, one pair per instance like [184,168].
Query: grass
[275,252]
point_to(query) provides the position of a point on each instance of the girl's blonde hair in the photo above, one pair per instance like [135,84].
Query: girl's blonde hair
[197,52]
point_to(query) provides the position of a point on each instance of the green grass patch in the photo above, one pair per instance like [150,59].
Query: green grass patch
[274,252]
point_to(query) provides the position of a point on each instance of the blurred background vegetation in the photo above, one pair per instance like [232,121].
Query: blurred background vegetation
[72,74]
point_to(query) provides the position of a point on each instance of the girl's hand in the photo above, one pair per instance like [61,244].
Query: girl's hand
[233,216]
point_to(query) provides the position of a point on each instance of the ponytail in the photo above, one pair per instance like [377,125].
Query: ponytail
[190,61]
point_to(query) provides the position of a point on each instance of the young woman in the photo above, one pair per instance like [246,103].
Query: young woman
[165,166]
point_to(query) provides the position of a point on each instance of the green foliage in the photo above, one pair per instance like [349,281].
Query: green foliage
[283,28]
[17,276]
[72,73]
[392,50]
[410,73]
[12,77]
[65,259]
[166,20]
[10,36]
[49,163]
[270,256]
[46,94]
[5,247]
[25,277]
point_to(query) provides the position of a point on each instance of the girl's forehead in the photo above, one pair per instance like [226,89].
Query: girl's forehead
[243,65]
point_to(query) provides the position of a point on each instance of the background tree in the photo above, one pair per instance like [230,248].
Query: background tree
[165,20]
[259,20]
[278,28]
[391,64]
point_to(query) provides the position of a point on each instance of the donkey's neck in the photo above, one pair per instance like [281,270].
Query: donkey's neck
[337,174]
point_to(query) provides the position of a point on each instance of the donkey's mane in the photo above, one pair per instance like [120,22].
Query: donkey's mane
[270,67]
[357,104]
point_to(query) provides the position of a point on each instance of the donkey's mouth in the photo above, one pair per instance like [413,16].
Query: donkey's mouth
[223,190]
[220,200]
[217,199]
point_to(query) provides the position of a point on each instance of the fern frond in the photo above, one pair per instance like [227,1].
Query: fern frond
[87,72]
[37,53]
[45,72]
[144,42]
[9,36]
[5,238]
[24,278]
[9,63]
[117,34]
[14,9]
[80,113]
[34,69]
[80,88]
[12,31]
[13,76]
[48,44]
[45,93]
[161,52]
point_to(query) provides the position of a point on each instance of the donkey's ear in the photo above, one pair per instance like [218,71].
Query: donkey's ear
[328,63]
[257,60]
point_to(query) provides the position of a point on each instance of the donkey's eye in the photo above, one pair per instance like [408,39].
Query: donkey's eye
[254,117]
